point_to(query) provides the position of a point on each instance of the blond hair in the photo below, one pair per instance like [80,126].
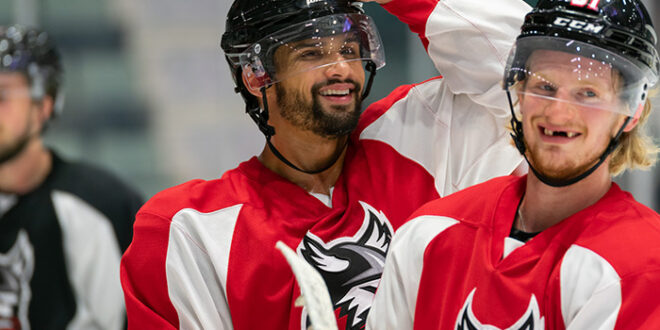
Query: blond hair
[636,149]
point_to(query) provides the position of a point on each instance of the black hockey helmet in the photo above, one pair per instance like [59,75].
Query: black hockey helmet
[597,39]
[618,33]
[255,29]
[622,27]
[31,52]
[249,21]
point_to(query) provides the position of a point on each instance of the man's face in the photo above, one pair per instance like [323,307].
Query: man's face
[562,101]
[322,84]
[17,114]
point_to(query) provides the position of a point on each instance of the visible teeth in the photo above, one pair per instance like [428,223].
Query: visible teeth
[558,133]
[335,92]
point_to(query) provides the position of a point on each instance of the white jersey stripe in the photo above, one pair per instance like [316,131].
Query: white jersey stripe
[196,266]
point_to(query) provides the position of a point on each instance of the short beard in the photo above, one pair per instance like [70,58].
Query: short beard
[563,174]
[9,153]
[297,111]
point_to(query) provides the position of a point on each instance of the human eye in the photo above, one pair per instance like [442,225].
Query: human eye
[350,51]
[543,87]
[310,54]
[589,95]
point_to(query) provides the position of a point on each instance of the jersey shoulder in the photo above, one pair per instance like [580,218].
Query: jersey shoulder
[74,185]
[463,202]
[96,186]
[89,181]
[234,187]
[624,232]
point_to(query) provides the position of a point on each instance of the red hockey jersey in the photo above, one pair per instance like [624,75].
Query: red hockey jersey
[203,254]
[454,266]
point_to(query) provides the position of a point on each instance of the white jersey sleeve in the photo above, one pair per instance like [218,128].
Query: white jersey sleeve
[92,256]
[394,305]
[469,43]
[455,127]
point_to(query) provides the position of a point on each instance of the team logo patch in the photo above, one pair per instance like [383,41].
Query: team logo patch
[16,267]
[351,266]
[531,319]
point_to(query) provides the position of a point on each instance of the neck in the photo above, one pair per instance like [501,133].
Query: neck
[310,152]
[27,170]
[544,206]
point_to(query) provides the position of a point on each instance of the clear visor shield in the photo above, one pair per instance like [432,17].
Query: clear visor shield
[576,74]
[311,45]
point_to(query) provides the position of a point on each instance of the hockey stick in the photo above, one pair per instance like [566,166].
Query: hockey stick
[314,292]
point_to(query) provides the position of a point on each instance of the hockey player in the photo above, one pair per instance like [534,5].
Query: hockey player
[63,225]
[331,187]
[563,247]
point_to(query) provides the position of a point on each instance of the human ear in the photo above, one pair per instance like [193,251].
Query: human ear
[631,124]
[46,108]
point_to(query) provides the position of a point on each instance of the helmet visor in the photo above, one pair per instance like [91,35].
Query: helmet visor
[310,45]
[577,74]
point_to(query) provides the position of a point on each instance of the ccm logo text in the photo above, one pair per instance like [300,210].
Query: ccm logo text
[578,25]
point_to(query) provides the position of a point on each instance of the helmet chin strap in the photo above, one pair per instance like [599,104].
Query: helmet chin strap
[261,118]
[518,138]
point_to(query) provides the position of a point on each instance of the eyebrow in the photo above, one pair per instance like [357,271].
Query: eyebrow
[306,45]
[591,81]
[352,38]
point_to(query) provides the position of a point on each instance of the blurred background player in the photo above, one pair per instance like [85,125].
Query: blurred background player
[63,225]
[563,247]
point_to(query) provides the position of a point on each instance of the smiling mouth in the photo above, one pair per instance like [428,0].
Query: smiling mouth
[336,92]
[566,134]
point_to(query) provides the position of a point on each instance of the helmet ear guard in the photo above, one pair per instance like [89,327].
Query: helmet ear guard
[255,75]
[252,107]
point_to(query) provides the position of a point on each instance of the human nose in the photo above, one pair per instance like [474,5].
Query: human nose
[339,68]
[559,110]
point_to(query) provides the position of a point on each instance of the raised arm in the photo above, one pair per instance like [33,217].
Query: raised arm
[467,40]
[463,115]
